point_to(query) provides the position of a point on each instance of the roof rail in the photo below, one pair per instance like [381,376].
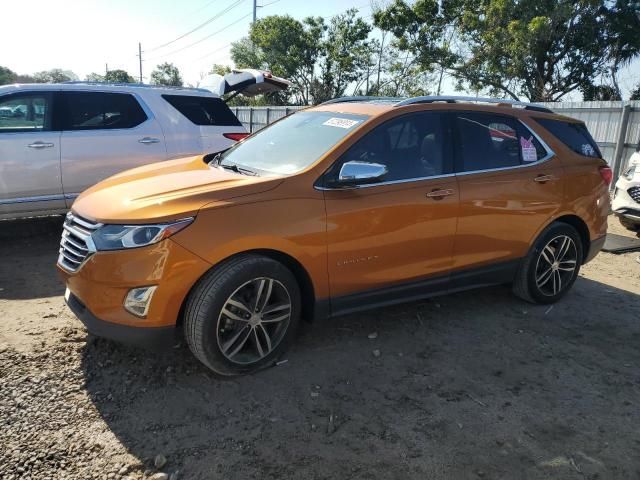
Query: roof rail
[456,99]
[362,98]
[127,84]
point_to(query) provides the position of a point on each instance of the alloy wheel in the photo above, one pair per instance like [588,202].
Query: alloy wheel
[253,320]
[556,265]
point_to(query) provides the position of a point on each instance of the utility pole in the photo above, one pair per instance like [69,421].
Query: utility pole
[140,59]
[255,10]
[106,69]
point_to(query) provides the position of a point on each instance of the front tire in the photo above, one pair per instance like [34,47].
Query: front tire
[242,315]
[549,270]
[629,225]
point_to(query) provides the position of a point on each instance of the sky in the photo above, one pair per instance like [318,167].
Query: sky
[85,35]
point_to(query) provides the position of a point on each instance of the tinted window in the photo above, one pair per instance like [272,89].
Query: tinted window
[98,111]
[488,141]
[24,113]
[411,146]
[573,135]
[293,143]
[203,110]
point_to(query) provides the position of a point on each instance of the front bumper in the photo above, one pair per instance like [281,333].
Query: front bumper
[152,337]
[101,285]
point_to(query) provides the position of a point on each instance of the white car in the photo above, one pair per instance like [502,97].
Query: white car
[626,197]
[70,136]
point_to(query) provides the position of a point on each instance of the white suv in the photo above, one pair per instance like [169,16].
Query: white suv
[58,139]
[626,197]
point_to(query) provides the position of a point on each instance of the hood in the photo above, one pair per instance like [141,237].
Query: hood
[165,191]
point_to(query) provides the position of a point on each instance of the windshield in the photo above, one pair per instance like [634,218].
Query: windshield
[292,144]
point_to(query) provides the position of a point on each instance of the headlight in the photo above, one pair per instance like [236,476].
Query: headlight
[631,171]
[118,237]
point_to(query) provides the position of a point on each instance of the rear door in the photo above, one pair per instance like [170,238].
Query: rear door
[29,155]
[104,133]
[510,186]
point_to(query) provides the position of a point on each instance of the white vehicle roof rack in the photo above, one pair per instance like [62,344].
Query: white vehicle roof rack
[136,85]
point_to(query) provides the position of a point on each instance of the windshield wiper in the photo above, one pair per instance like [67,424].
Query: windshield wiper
[235,168]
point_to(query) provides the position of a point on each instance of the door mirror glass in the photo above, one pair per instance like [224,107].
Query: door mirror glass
[355,172]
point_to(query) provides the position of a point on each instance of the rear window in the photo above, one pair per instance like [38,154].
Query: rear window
[293,143]
[100,111]
[573,135]
[203,110]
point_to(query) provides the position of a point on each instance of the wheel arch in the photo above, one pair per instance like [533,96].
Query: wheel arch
[581,226]
[309,305]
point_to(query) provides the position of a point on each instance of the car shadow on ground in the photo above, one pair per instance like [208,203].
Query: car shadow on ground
[475,384]
[28,255]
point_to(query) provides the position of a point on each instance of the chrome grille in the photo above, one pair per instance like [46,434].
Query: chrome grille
[634,192]
[76,245]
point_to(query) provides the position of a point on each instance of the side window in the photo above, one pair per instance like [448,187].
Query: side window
[203,110]
[573,135]
[100,111]
[410,146]
[488,141]
[24,113]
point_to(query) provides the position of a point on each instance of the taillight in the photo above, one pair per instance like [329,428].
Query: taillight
[606,174]
[236,137]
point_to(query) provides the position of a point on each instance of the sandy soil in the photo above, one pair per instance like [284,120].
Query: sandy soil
[471,385]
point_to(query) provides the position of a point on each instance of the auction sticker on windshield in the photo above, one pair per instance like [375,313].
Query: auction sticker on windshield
[341,122]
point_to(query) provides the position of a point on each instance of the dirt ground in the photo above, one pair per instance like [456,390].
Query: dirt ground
[471,385]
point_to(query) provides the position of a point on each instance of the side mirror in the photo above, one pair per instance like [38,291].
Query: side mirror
[355,172]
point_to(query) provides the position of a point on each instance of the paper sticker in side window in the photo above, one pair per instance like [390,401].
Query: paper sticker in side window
[529,152]
[341,122]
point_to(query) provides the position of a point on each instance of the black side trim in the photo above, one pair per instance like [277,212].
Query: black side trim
[594,248]
[153,338]
[495,274]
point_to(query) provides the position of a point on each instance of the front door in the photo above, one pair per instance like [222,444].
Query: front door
[104,133]
[399,229]
[509,188]
[29,155]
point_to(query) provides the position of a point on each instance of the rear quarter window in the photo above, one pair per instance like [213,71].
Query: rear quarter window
[203,110]
[574,135]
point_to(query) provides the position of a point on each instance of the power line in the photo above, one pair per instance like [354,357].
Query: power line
[203,24]
[201,40]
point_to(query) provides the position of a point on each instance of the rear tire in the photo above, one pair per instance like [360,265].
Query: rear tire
[551,266]
[242,315]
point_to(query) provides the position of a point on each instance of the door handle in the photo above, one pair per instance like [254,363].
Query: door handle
[544,178]
[439,194]
[40,145]
[147,140]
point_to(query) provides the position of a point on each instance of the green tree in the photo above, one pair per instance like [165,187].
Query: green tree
[118,76]
[623,28]
[7,76]
[55,75]
[286,47]
[539,49]
[345,55]
[599,92]
[220,69]
[94,77]
[166,74]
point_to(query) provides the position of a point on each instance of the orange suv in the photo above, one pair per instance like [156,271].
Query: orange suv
[357,203]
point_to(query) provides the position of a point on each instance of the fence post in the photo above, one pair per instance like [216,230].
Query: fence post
[622,136]
[267,121]
[286,111]
[250,119]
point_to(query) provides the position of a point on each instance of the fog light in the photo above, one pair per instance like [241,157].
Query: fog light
[138,300]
